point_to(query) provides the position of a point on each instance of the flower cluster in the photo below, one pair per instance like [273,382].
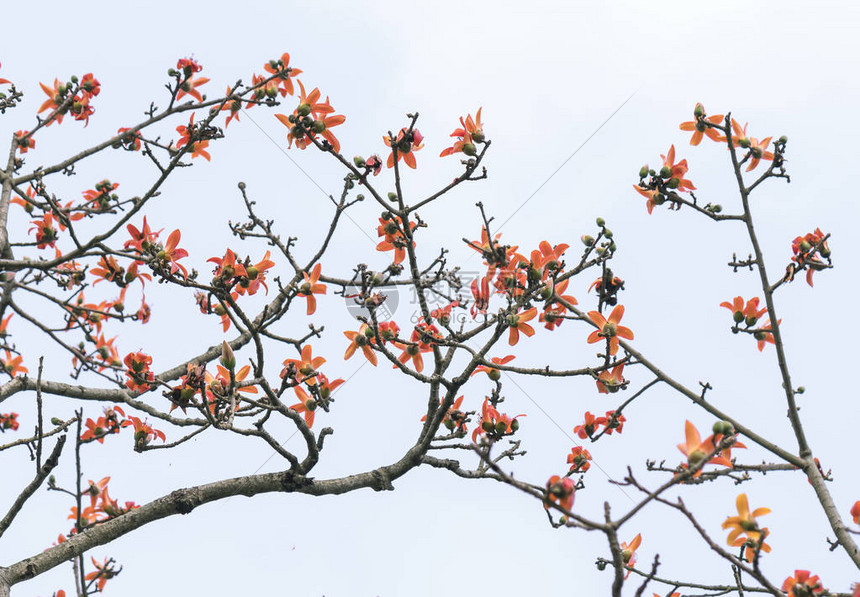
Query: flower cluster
[312,387]
[494,424]
[613,421]
[71,97]
[137,369]
[808,250]
[745,530]
[749,315]
[311,118]
[8,421]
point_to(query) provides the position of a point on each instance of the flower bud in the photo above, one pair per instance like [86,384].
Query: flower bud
[600,222]
[738,316]
[643,171]
[487,426]
[303,109]
[744,142]
[587,240]
[659,199]
[805,246]
[515,424]
[469,149]
[359,161]
[699,111]
[228,359]
[665,172]
[674,182]
[318,126]
[501,427]
[56,421]
[607,233]
[800,390]
[783,140]
[494,374]
[750,321]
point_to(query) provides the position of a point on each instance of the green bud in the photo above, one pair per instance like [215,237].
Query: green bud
[744,142]
[600,222]
[358,161]
[587,240]
[515,425]
[643,171]
[699,111]
[478,136]
[674,182]
[318,126]
[783,140]
[470,149]
[607,233]
[392,196]
[56,421]
[659,199]
[228,359]
[665,172]
[501,427]
[303,109]
[717,208]
[738,316]
[800,390]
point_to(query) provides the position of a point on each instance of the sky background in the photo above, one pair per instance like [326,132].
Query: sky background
[547,74]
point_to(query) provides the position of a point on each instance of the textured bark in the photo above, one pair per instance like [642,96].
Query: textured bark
[184,501]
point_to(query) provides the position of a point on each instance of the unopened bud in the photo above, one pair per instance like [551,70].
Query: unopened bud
[228,359]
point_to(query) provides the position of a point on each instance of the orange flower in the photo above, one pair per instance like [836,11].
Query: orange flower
[701,129]
[495,424]
[197,148]
[748,314]
[12,365]
[590,426]
[757,148]
[561,490]
[233,105]
[628,552]
[307,405]
[454,418]
[24,141]
[129,141]
[256,276]
[609,382]
[103,573]
[172,254]
[362,340]
[745,524]
[764,335]
[305,368]
[46,234]
[391,229]
[492,372]
[142,239]
[471,132]
[56,96]
[675,171]
[804,256]
[481,294]
[653,196]
[419,343]
[188,85]
[8,421]
[405,144]
[315,117]
[517,323]
[310,287]
[696,450]
[855,512]
[285,73]
[137,369]
[609,328]
[802,585]
[143,433]
[579,459]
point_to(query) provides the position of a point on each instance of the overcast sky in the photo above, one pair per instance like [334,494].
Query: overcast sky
[548,75]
